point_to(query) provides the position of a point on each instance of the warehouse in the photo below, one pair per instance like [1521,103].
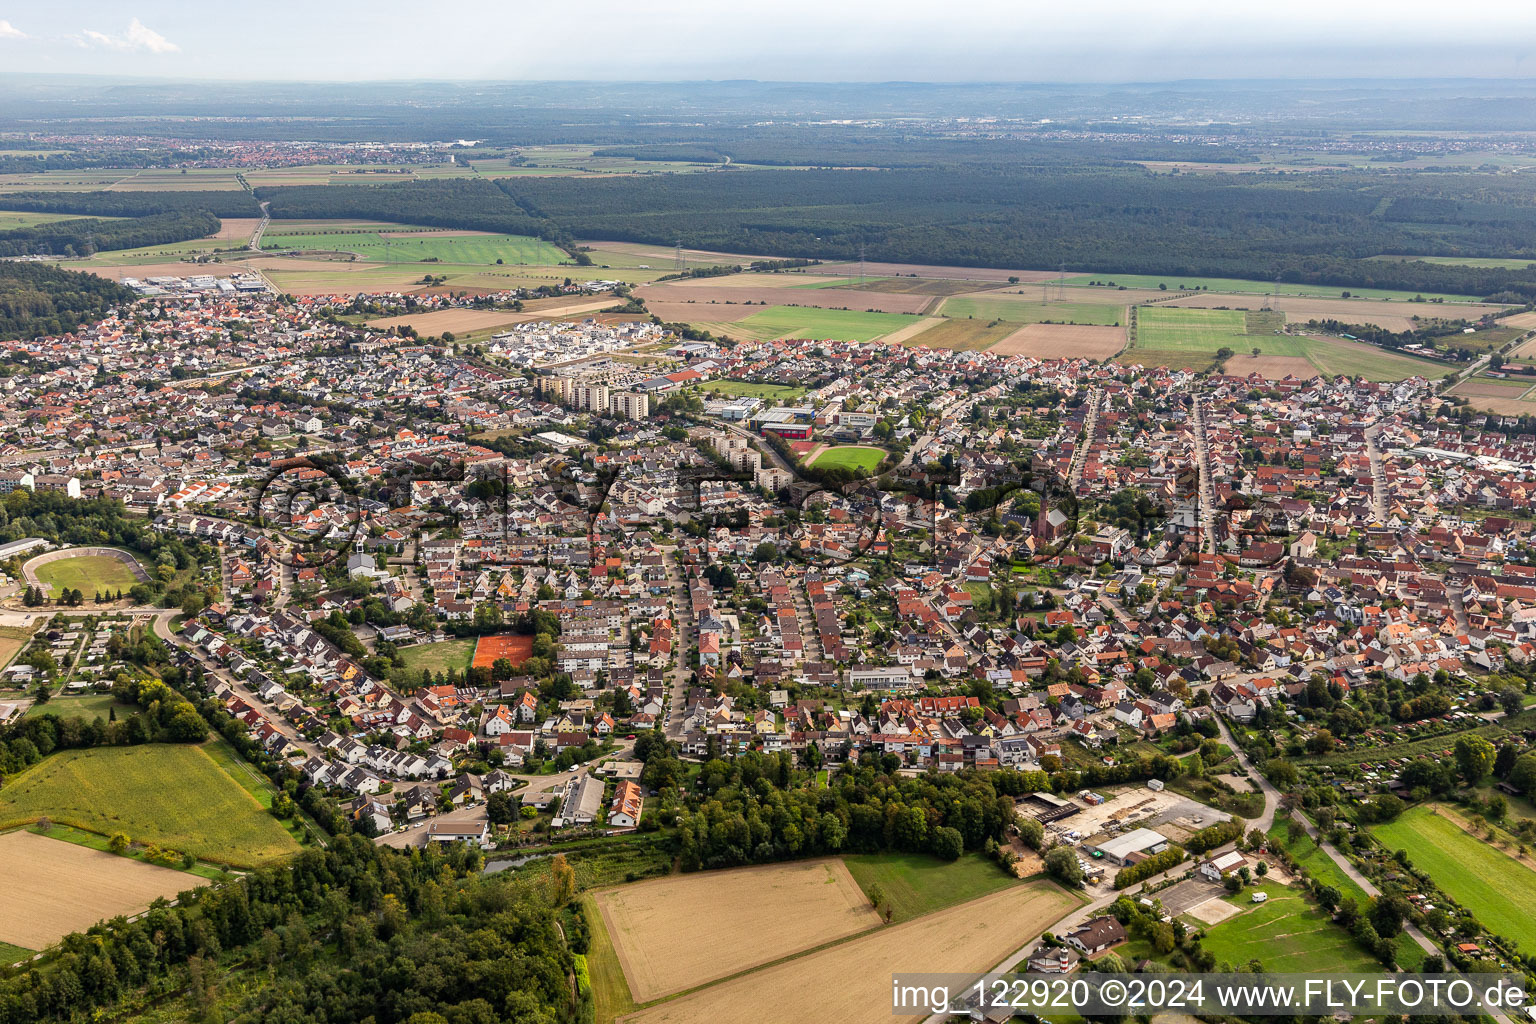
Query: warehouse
[1134,846]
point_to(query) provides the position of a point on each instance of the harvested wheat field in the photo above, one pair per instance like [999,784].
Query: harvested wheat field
[52,888]
[851,982]
[908,333]
[463,321]
[824,298]
[1483,387]
[775,282]
[948,273]
[733,920]
[236,228]
[1062,341]
[1272,367]
[1525,320]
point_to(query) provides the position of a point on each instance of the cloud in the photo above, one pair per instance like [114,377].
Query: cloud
[9,31]
[138,37]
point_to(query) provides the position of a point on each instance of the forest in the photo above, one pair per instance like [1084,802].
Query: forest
[1320,229]
[219,202]
[454,203]
[352,932]
[36,300]
[90,235]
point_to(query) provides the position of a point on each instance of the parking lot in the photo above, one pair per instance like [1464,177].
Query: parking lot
[1187,895]
[1136,807]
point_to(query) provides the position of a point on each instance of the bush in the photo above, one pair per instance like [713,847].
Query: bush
[1149,867]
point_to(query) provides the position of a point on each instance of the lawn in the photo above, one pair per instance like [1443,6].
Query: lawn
[1286,935]
[1030,311]
[917,883]
[1320,866]
[753,389]
[90,574]
[1498,889]
[821,324]
[10,954]
[88,707]
[438,657]
[170,794]
[405,248]
[850,456]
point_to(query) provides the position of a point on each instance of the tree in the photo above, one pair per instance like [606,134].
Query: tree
[1474,757]
[1062,864]
[118,844]
[947,843]
[562,881]
[1387,915]
[1511,700]
[1030,831]
[1523,775]
[876,895]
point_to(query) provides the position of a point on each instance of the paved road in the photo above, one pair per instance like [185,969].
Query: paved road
[678,675]
[1378,474]
[1207,494]
[1080,453]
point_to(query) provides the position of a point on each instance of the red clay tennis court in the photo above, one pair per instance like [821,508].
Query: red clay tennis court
[516,649]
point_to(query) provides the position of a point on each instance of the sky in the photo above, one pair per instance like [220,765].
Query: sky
[771,40]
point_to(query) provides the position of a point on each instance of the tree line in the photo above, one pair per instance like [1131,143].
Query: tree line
[91,235]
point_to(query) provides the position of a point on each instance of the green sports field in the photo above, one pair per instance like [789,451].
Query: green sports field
[849,456]
[1500,890]
[174,795]
[1203,331]
[820,324]
[440,657]
[1029,311]
[479,250]
[87,573]
[1287,935]
[917,883]
[753,389]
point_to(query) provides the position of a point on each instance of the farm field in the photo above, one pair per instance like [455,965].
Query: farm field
[1021,310]
[850,982]
[961,335]
[54,888]
[753,389]
[1500,890]
[818,324]
[12,640]
[11,220]
[439,657]
[1336,357]
[1298,309]
[1235,286]
[170,794]
[87,573]
[848,456]
[749,290]
[734,920]
[659,258]
[461,322]
[896,285]
[916,883]
[1287,935]
[1062,341]
[1485,262]
[460,247]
